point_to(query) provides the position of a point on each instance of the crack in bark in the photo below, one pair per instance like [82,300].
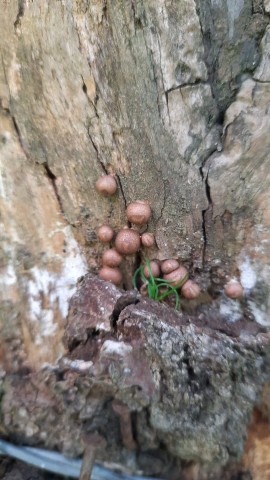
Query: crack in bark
[53,179]
[164,200]
[130,298]
[260,81]
[104,10]
[85,91]
[198,81]
[204,216]
[162,79]
[19,136]
[211,72]
[155,77]
[20,14]
[158,100]
[13,119]
[137,21]
[212,65]
[96,148]
[48,172]
[133,10]
[122,192]
[97,152]
[103,166]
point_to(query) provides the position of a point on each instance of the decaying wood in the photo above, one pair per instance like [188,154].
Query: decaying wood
[190,388]
[173,97]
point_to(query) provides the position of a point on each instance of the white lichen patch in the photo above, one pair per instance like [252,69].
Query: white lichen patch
[118,348]
[8,277]
[248,274]
[260,314]
[230,310]
[49,292]
[77,365]
[102,326]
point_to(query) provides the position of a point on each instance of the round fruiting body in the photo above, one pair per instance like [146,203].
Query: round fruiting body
[127,241]
[111,258]
[106,185]
[105,234]
[112,275]
[148,239]
[190,290]
[138,212]
[155,269]
[143,290]
[169,266]
[176,276]
[234,289]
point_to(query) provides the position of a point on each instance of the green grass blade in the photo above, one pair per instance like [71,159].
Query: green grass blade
[161,280]
[143,277]
[150,271]
[150,290]
[172,291]
[155,283]
[154,290]
[166,294]
[156,293]
[134,278]
[164,284]
[168,282]
[182,281]
[176,301]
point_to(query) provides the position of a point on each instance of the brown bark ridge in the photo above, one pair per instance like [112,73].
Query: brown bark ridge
[173,98]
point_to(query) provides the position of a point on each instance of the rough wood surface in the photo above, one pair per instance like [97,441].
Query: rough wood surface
[173,97]
[189,389]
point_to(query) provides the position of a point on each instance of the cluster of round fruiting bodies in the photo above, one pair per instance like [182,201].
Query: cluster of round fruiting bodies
[175,274]
[128,241]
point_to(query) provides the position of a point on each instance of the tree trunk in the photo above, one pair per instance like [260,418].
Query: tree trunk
[173,98]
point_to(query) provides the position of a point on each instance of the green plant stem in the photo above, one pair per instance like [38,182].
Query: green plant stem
[155,283]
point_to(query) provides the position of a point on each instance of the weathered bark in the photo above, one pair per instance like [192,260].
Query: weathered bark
[173,97]
[189,387]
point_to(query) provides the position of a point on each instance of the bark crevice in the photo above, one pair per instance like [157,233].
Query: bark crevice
[122,192]
[101,163]
[20,14]
[205,217]
[198,81]
[48,172]
[19,135]
[53,180]
[245,32]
